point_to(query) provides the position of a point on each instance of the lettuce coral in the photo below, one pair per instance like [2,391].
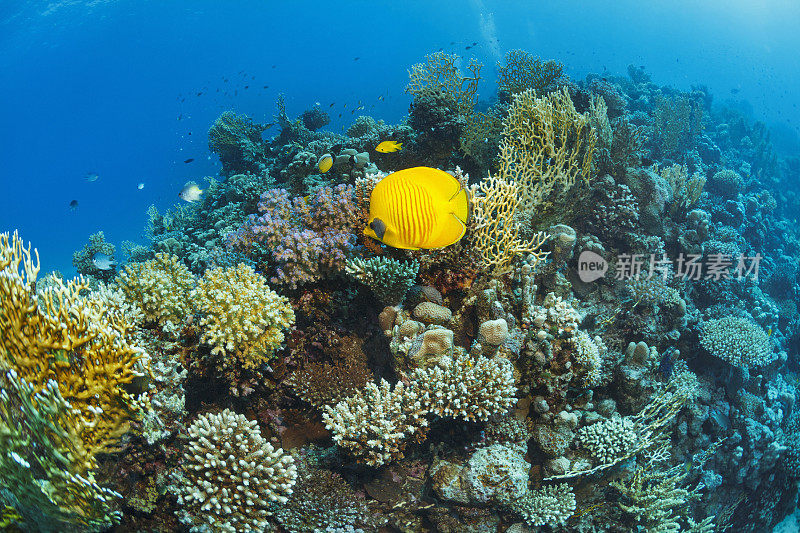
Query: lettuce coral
[241,315]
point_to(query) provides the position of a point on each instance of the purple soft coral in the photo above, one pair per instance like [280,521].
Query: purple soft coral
[306,236]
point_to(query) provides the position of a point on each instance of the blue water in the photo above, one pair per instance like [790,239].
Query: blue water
[100,86]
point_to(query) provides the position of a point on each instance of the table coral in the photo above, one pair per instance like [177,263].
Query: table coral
[737,341]
[231,475]
[243,319]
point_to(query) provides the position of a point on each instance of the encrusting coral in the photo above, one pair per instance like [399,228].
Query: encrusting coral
[231,475]
[244,320]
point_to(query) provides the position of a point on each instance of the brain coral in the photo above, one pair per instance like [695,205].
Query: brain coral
[242,316]
[231,475]
[160,287]
[738,341]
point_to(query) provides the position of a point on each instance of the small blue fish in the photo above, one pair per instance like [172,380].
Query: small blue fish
[102,261]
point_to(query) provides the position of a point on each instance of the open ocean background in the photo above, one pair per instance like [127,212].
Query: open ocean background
[128,89]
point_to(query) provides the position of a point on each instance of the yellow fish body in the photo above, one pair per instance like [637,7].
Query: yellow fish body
[389,146]
[325,163]
[416,208]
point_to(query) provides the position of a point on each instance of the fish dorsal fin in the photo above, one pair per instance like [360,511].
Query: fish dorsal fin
[439,184]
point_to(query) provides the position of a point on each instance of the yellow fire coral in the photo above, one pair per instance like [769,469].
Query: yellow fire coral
[440,75]
[65,362]
[160,287]
[523,71]
[547,146]
[494,229]
[242,316]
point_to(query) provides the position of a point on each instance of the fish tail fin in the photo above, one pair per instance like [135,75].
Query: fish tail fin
[399,146]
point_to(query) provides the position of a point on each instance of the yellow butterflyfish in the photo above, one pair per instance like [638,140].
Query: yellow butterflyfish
[389,146]
[418,207]
[325,163]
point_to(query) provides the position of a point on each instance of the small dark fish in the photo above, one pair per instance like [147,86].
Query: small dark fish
[189,160]
[266,86]
[344,106]
[190,133]
[452,43]
[225,80]
[356,58]
[273,66]
[180,117]
[353,112]
[246,86]
[200,93]
[183,99]
[475,43]
[440,49]
[217,89]
[252,77]
[73,205]
[734,91]
[468,47]
[340,115]
[332,104]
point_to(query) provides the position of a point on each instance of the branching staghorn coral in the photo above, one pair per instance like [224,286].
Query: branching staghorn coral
[440,76]
[495,229]
[231,475]
[547,147]
[160,287]
[523,71]
[466,388]
[65,363]
[374,424]
[551,505]
[656,498]
[243,318]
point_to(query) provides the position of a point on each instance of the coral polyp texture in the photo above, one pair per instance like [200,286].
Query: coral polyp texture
[231,476]
[160,288]
[243,319]
[466,388]
[375,423]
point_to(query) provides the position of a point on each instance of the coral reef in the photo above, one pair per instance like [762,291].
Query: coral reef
[231,475]
[243,319]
